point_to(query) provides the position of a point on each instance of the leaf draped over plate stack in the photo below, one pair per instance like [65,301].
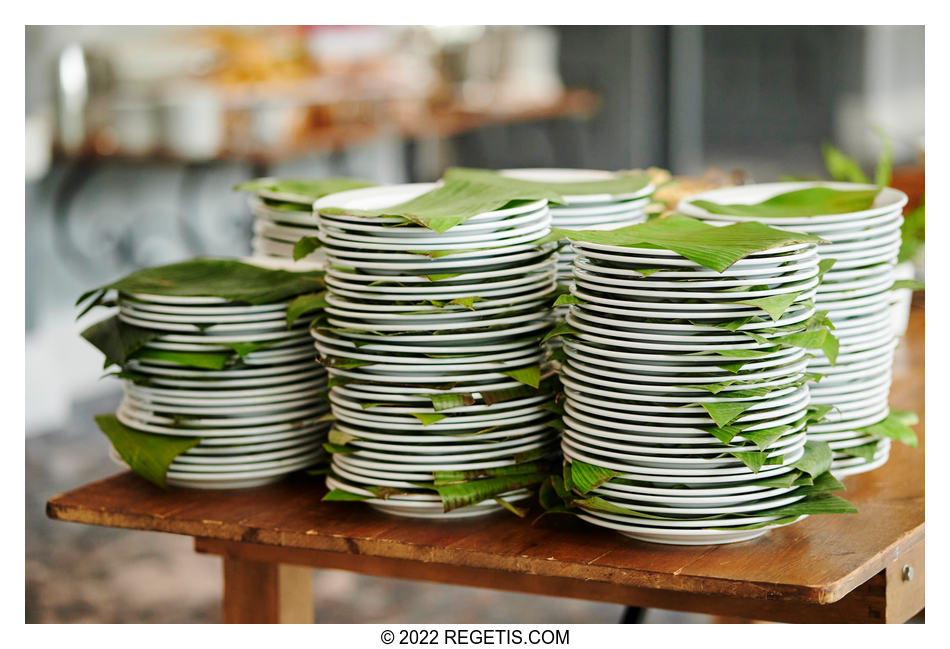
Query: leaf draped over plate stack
[686,392]
[198,344]
[862,228]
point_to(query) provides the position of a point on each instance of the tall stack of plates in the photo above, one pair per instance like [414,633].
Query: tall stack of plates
[406,331]
[641,345]
[284,214]
[587,211]
[259,419]
[856,294]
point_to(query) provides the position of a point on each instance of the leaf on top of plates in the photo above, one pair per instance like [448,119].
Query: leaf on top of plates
[303,304]
[620,184]
[710,246]
[892,426]
[226,279]
[813,201]
[302,190]
[148,454]
[118,340]
[458,199]
[306,246]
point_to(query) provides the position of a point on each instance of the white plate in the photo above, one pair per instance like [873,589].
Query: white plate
[888,200]
[543,175]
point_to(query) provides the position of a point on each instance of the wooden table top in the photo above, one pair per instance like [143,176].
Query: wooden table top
[818,560]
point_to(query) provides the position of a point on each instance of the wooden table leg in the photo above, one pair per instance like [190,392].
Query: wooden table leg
[256,592]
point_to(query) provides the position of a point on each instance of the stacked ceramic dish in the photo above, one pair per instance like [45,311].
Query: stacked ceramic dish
[429,356]
[586,211]
[652,368]
[284,214]
[856,293]
[258,419]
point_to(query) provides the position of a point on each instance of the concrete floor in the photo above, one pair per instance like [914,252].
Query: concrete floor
[80,573]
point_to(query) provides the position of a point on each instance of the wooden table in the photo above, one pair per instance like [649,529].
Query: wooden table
[867,567]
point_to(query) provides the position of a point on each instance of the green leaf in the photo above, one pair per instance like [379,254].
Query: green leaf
[912,233]
[306,246]
[816,338]
[304,191]
[567,298]
[764,437]
[710,246]
[599,504]
[586,477]
[814,201]
[724,413]
[755,460]
[527,375]
[646,272]
[885,160]
[825,482]
[816,458]
[204,360]
[338,438]
[118,340]
[345,363]
[339,495]
[428,418]
[842,167]
[436,278]
[511,470]
[892,426]
[455,496]
[227,279]
[303,304]
[520,512]
[824,266]
[619,184]
[447,401]
[560,329]
[457,200]
[338,449]
[149,455]
[818,503]
[774,305]
[467,302]
[243,349]
[911,284]
[865,451]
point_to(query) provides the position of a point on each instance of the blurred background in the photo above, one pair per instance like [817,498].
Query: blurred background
[135,137]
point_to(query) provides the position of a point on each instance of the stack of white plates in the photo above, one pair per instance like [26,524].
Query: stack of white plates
[587,211]
[281,220]
[395,345]
[856,294]
[259,419]
[633,377]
